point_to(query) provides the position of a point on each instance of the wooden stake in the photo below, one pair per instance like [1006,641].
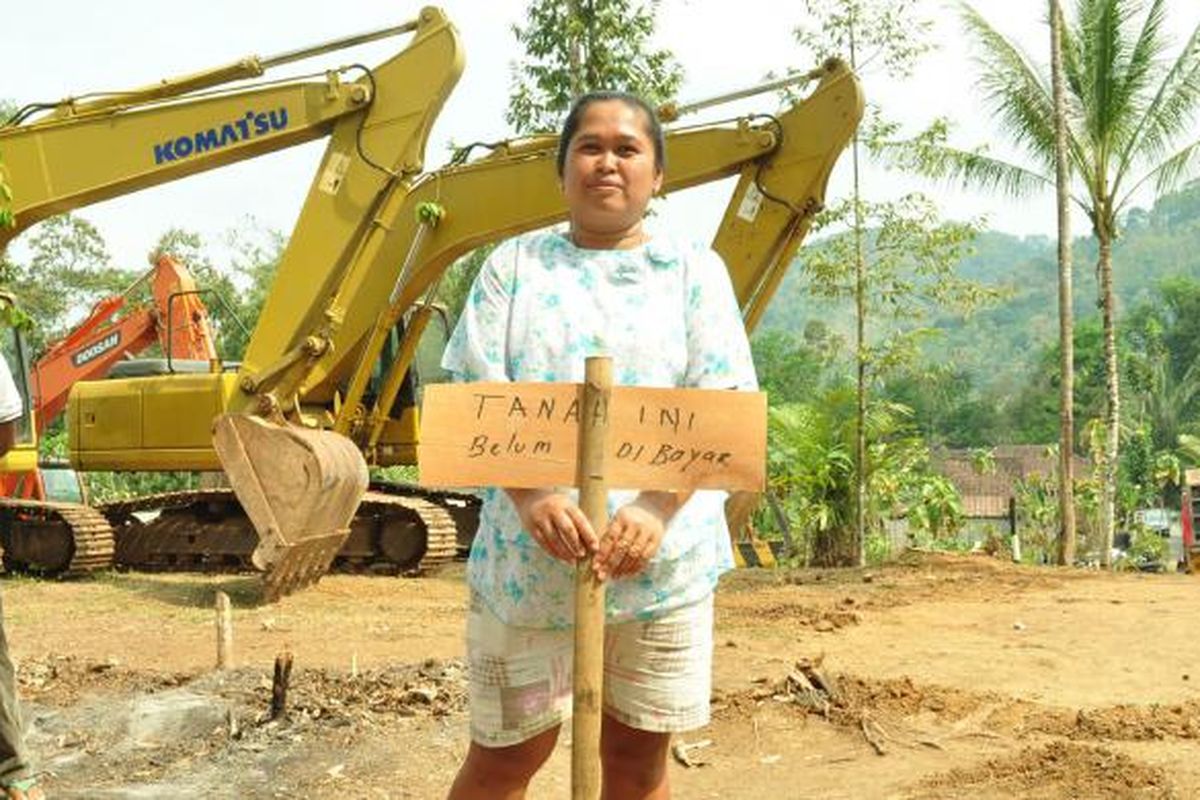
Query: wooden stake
[589,592]
[224,632]
[279,685]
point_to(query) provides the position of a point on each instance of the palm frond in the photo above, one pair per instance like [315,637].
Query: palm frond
[1187,387]
[1146,49]
[1171,111]
[1137,76]
[1080,147]
[1189,447]
[1179,167]
[1110,74]
[1019,96]
[971,168]
[1072,64]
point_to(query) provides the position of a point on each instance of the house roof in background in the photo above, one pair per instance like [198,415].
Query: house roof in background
[987,495]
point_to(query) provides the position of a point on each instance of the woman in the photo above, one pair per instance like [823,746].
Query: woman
[665,313]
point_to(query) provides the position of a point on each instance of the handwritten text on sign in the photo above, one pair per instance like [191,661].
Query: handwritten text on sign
[527,435]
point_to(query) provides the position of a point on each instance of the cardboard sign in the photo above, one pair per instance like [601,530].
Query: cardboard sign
[526,435]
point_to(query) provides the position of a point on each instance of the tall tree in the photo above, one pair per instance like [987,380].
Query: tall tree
[581,46]
[883,30]
[911,258]
[1066,389]
[1129,115]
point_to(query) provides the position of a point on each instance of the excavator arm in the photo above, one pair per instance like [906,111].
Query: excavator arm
[90,150]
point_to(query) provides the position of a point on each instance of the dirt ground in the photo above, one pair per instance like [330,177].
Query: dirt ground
[940,677]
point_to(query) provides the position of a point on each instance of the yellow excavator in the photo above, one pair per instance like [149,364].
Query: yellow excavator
[325,386]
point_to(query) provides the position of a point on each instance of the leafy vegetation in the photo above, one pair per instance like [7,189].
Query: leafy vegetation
[811,468]
[991,377]
[584,45]
[1128,124]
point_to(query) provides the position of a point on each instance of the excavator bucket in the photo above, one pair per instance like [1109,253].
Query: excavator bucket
[299,487]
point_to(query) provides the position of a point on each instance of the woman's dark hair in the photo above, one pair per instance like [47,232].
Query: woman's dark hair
[653,126]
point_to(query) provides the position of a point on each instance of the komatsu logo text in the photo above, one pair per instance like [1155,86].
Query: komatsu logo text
[250,126]
[96,349]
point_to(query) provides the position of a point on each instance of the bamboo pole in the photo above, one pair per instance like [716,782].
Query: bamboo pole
[224,632]
[589,592]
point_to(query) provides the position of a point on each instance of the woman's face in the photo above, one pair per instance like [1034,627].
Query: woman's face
[610,171]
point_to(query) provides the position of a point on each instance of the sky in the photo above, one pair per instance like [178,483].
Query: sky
[70,47]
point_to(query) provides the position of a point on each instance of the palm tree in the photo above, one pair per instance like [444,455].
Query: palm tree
[1066,324]
[1166,403]
[1189,448]
[1129,125]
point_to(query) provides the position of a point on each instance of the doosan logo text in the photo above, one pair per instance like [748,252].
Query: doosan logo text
[96,349]
[252,125]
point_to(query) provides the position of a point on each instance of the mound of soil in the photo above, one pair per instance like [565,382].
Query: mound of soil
[1051,772]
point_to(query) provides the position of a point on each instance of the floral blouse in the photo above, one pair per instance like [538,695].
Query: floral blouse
[665,313]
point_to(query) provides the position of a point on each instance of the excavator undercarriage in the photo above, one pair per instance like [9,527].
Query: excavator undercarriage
[398,529]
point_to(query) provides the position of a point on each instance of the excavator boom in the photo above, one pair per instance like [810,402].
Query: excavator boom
[183,126]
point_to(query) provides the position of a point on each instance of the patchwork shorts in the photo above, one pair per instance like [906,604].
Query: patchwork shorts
[657,674]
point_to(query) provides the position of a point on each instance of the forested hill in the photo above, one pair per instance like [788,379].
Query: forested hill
[1000,345]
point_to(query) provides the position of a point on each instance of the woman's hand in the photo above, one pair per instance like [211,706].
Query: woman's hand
[635,533]
[633,537]
[555,523]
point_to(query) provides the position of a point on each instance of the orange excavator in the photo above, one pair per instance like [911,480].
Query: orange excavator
[114,332]
[66,537]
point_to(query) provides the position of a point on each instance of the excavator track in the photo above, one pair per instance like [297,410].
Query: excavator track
[393,532]
[200,530]
[61,539]
[463,508]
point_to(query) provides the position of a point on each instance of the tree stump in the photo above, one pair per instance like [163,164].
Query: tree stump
[279,684]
